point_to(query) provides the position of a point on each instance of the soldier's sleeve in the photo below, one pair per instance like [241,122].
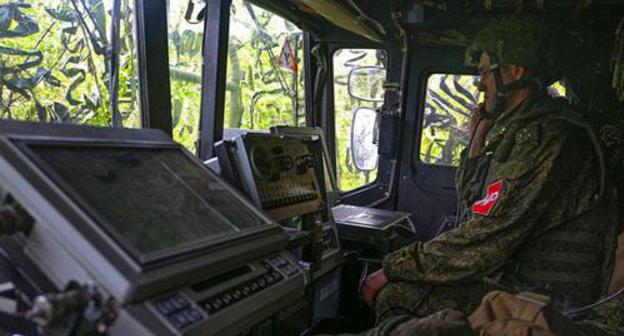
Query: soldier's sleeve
[465,171]
[531,180]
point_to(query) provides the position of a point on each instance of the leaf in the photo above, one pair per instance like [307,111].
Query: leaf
[18,85]
[61,112]
[90,103]
[41,112]
[79,75]
[64,15]
[27,63]
[11,16]
[177,111]
[66,35]
[52,81]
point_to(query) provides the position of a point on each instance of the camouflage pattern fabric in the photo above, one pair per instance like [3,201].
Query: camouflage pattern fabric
[524,41]
[444,323]
[604,320]
[531,222]
[423,300]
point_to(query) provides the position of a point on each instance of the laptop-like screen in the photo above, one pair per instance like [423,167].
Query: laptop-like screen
[150,200]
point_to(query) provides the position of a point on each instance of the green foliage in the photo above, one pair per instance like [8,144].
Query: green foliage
[260,93]
[53,65]
[185,62]
[344,60]
[449,103]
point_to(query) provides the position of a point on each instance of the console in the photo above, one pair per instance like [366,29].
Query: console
[142,218]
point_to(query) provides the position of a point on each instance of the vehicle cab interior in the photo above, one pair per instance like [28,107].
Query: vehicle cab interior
[239,167]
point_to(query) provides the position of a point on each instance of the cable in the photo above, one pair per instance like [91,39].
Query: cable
[595,304]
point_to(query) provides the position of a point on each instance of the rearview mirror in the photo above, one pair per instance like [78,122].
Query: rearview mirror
[367,83]
[364,134]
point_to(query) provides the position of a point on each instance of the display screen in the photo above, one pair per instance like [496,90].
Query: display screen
[151,199]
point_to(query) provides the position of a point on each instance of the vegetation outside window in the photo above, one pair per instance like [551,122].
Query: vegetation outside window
[449,102]
[186,30]
[265,70]
[349,100]
[55,66]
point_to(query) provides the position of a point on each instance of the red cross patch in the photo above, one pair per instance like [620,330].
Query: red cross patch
[484,206]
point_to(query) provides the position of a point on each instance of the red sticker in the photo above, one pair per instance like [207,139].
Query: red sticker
[484,206]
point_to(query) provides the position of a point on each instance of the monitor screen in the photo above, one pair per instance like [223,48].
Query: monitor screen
[150,199]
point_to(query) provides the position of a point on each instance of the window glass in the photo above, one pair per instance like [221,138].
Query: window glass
[265,70]
[186,30]
[54,63]
[361,98]
[450,100]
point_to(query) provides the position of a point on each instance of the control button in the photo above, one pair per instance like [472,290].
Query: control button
[217,303]
[181,320]
[166,307]
[193,314]
[227,297]
[254,286]
[262,283]
[179,302]
[227,300]
[246,290]
[237,295]
[208,307]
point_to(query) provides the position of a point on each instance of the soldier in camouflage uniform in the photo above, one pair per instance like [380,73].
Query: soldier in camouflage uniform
[536,213]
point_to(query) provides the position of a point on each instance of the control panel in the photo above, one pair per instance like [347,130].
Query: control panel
[223,303]
[278,174]
[179,310]
[250,287]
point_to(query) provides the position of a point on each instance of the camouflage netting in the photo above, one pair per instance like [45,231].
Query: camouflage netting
[525,41]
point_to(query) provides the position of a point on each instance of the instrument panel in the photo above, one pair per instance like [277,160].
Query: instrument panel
[216,305]
[280,175]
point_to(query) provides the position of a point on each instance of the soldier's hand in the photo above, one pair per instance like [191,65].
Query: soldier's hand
[373,284]
[475,119]
[479,128]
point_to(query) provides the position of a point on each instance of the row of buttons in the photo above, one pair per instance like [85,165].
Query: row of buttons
[179,311]
[242,291]
[172,304]
[185,317]
[280,202]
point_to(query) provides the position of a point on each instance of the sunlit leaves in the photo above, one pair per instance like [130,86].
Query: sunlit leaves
[52,64]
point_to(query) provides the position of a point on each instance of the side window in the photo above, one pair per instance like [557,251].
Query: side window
[265,70]
[54,63]
[185,69]
[356,73]
[450,100]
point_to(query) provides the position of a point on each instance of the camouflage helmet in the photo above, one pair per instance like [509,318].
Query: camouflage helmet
[523,41]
